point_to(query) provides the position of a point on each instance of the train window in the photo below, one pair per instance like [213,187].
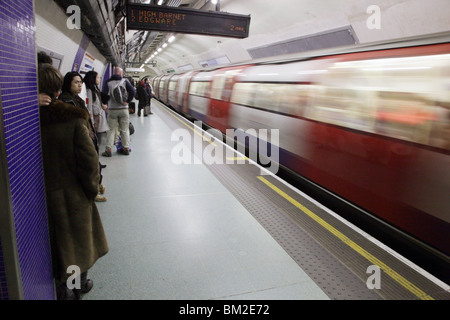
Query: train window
[283,101]
[440,134]
[220,81]
[243,93]
[172,85]
[193,89]
[351,108]
[404,115]
[266,96]
[199,88]
[205,88]
[293,99]
[409,98]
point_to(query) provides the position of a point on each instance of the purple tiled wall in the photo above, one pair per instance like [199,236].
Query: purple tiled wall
[80,53]
[108,73]
[19,90]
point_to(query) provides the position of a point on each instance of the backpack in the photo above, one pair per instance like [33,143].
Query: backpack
[119,92]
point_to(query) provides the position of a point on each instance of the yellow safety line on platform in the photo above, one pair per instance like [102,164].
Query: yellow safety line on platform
[237,158]
[394,275]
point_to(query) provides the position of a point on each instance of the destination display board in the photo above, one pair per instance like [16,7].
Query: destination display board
[171,19]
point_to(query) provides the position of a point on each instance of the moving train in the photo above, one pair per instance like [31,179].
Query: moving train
[369,124]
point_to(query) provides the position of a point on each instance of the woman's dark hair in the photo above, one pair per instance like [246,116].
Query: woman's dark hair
[50,80]
[68,78]
[90,80]
[44,58]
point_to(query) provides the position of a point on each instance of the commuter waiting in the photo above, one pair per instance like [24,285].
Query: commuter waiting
[142,97]
[121,93]
[42,57]
[71,175]
[72,86]
[94,104]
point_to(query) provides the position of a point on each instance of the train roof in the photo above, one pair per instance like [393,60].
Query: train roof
[436,38]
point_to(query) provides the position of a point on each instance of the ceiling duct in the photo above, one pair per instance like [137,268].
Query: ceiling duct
[340,37]
[98,22]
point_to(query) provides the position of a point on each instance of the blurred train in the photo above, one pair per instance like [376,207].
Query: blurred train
[370,124]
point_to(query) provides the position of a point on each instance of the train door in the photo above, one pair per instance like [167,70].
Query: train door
[176,99]
[165,93]
[198,100]
[184,91]
[157,85]
[181,89]
[172,87]
[162,88]
[221,89]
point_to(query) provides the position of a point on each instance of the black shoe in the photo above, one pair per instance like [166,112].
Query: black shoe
[64,293]
[107,153]
[87,286]
[103,166]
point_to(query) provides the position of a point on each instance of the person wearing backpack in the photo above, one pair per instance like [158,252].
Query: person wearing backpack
[120,93]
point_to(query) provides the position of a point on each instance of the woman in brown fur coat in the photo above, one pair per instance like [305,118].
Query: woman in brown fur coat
[71,180]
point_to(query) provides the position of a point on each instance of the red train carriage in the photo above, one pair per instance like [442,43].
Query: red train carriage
[372,127]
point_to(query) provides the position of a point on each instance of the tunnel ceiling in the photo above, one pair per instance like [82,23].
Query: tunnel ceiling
[277,27]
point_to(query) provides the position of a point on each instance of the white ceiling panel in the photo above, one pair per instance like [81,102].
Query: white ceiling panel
[283,20]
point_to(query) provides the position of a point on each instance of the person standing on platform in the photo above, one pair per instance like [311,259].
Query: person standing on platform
[42,57]
[71,175]
[142,97]
[118,88]
[72,86]
[148,89]
[96,108]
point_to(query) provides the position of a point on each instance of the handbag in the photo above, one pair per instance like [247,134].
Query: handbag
[96,121]
[131,129]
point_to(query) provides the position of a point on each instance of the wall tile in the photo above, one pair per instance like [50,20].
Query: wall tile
[18,82]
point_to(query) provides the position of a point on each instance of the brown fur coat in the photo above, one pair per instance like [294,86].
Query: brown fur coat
[71,179]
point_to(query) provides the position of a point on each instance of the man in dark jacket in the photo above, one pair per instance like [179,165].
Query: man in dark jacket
[118,115]
[148,89]
[142,97]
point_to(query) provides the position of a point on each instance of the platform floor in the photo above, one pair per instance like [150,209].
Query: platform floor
[185,232]
[175,232]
